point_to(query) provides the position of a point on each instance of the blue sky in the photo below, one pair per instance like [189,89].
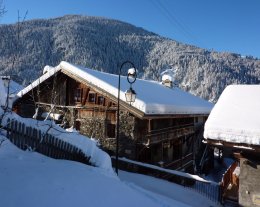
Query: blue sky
[222,25]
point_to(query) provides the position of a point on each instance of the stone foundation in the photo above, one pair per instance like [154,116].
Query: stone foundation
[249,185]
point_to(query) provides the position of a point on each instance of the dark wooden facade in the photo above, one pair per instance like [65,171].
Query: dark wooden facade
[166,140]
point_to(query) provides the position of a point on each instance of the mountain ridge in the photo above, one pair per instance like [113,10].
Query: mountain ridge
[102,44]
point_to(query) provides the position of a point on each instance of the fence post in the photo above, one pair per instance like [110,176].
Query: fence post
[15,134]
[8,128]
[48,141]
[12,131]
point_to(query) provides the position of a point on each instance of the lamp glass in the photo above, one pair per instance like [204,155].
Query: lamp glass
[130,95]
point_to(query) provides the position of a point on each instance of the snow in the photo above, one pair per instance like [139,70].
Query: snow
[49,182]
[235,117]
[97,157]
[131,72]
[167,77]
[170,191]
[53,116]
[174,172]
[48,72]
[14,87]
[30,179]
[152,97]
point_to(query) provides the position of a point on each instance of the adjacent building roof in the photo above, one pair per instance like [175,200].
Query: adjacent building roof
[8,88]
[152,97]
[236,116]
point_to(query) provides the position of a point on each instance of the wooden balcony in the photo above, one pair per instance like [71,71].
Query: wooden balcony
[165,134]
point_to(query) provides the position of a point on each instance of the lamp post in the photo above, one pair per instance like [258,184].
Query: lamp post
[130,96]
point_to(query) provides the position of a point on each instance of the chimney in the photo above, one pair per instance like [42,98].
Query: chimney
[167,80]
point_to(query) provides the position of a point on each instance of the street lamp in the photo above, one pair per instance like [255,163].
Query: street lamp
[130,96]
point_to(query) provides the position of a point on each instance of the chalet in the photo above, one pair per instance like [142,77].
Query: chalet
[161,127]
[234,127]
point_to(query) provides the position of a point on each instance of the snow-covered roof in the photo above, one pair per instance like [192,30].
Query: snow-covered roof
[167,77]
[236,116]
[152,96]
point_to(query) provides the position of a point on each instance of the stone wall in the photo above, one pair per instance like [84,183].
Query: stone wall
[93,127]
[249,183]
[127,141]
[96,127]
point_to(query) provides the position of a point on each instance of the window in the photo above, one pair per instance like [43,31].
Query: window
[111,130]
[100,100]
[78,94]
[91,97]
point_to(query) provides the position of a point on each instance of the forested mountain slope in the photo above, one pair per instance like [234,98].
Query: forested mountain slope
[103,44]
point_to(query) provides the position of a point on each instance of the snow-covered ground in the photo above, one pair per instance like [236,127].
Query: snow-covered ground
[31,179]
[88,146]
[169,191]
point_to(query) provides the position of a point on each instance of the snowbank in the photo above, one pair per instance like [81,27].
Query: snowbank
[235,117]
[169,190]
[31,179]
[174,172]
[97,157]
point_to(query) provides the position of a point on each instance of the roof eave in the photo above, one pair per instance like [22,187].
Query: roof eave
[234,145]
[159,116]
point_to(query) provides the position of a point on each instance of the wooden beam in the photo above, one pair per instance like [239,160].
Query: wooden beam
[175,116]
[79,107]
[238,146]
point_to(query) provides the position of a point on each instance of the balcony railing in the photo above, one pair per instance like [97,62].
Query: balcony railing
[209,189]
[180,163]
[165,134]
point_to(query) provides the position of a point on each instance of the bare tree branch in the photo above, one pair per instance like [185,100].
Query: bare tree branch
[2,8]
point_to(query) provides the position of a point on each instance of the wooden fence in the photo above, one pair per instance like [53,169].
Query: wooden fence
[210,190]
[29,138]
